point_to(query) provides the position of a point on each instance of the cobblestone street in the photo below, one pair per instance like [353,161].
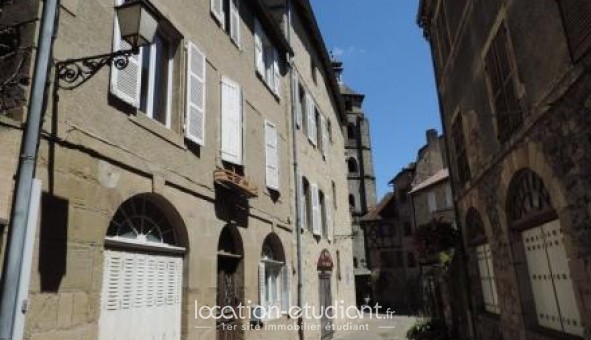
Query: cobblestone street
[381,329]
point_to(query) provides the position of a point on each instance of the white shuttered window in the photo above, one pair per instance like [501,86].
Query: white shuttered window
[324,134]
[316,211]
[329,220]
[141,297]
[266,59]
[550,278]
[195,109]
[125,84]
[217,9]
[235,21]
[271,156]
[487,279]
[231,147]
[311,117]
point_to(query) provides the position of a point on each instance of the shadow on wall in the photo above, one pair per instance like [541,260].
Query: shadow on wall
[231,206]
[53,238]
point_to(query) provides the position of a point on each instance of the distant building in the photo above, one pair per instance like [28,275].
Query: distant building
[361,178]
[513,79]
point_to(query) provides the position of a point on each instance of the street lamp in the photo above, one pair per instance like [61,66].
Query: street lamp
[138,22]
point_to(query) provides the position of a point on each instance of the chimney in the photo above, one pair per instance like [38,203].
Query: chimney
[432,136]
[337,66]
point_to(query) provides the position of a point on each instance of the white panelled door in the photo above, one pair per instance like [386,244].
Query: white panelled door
[141,297]
[552,286]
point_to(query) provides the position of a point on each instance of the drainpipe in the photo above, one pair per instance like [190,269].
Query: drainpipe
[11,273]
[296,170]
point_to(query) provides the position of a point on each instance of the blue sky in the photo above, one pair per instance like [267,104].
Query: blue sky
[386,58]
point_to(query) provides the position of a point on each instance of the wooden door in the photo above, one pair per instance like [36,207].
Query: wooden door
[229,295]
[325,298]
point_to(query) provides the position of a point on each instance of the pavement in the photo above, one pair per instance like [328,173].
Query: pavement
[393,327]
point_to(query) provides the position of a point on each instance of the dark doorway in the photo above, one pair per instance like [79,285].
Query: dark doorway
[230,279]
[324,267]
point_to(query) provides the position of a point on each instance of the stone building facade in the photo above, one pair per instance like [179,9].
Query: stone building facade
[169,185]
[361,178]
[514,90]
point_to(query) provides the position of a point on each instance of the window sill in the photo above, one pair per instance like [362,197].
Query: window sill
[262,79]
[141,120]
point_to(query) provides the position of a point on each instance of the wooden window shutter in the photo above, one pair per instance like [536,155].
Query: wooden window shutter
[302,202]
[196,89]
[235,21]
[217,9]
[262,285]
[276,73]
[541,279]
[329,220]
[286,288]
[324,133]
[231,122]
[258,48]
[271,156]
[565,294]
[310,117]
[576,16]
[126,83]
[297,100]
[316,213]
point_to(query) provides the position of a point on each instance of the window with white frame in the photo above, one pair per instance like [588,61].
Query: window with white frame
[146,82]
[274,279]
[487,278]
[478,241]
[266,59]
[227,14]
[311,120]
[231,121]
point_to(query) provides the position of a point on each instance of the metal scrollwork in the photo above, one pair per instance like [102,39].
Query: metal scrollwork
[74,72]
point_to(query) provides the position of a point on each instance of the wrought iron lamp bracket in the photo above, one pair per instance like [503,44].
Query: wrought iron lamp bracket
[72,73]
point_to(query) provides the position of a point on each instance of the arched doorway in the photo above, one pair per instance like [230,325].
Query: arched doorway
[230,277]
[324,267]
[143,272]
[534,219]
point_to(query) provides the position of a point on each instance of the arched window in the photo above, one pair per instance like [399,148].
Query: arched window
[530,212]
[274,278]
[528,198]
[477,239]
[352,165]
[149,279]
[139,220]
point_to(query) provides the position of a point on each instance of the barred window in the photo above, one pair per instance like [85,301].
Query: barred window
[501,72]
[576,15]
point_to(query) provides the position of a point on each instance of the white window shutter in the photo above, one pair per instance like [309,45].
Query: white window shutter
[195,109]
[297,100]
[324,133]
[484,278]
[276,72]
[271,156]
[316,218]
[302,203]
[231,122]
[329,220]
[311,119]
[235,21]
[541,279]
[492,282]
[217,9]
[262,285]
[286,288]
[126,83]
[565,294]
[258,48]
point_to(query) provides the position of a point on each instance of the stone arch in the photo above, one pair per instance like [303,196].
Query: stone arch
[148,217]
[475,231]
[352,165]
